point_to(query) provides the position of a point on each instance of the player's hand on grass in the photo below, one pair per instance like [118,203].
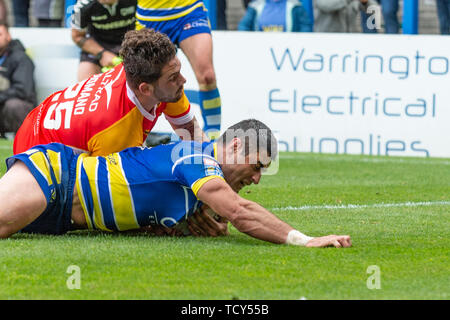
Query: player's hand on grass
[204,222]
[330,241]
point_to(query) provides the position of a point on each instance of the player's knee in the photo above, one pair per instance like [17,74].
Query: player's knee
[12,106]
[207,77]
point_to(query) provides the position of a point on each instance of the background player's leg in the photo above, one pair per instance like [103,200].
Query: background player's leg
[14,112]
[87,69]
[198,50]
[21,199]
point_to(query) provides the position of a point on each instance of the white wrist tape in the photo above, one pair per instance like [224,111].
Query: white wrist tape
[297,238]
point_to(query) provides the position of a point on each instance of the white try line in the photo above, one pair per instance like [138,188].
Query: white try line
[364,206]
[6,147]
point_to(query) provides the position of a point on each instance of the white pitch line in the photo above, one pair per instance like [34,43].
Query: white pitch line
[432,161]
[364,206]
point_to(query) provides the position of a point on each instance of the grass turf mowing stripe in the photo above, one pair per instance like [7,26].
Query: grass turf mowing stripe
[364,206]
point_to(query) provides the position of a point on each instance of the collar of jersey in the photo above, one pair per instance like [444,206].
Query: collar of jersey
[135,100]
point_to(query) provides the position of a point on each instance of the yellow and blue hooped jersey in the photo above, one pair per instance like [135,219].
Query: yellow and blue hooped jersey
[140,186]
[163,10]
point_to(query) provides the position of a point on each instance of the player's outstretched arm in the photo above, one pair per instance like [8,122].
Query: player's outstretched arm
[330,241]
[251,218]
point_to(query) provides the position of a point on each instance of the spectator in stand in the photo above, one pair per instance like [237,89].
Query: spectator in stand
[17,89]
[49,13]
[276,15]
[339,15]
[98,28]
[443,11]
[20,11]
[3,11]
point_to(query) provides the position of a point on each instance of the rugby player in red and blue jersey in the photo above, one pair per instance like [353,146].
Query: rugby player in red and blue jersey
[61,191]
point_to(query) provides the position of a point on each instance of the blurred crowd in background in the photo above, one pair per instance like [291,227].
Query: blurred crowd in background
[269,15]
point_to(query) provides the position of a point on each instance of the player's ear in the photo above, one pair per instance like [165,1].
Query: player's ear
[237,145]
[146,88]
[233,150]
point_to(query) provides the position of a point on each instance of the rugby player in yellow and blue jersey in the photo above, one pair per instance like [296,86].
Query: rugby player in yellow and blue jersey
[50,189]
[187,25]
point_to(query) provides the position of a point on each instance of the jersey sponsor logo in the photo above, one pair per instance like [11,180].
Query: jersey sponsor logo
[114,25]
[196,24]
[85,94]
[108,87]
[212,168]
[200,23]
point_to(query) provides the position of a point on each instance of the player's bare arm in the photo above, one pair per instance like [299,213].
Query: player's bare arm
[251,218]
[89,45]
[190,131]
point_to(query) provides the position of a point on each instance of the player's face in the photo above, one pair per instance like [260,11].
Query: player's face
[169,87]
[241,175]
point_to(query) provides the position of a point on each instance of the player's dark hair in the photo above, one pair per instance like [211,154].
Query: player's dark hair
[255,135]
[145,52]
[4,23]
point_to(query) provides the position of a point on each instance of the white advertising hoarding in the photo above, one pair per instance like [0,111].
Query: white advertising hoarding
[331,93]
[339,93]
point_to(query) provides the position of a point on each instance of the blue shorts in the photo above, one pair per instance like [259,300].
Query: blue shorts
[54,168]
[184,27]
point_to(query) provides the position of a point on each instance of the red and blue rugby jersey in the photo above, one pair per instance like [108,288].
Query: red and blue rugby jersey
[100,115]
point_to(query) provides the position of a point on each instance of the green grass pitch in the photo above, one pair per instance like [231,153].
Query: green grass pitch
[395,209]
